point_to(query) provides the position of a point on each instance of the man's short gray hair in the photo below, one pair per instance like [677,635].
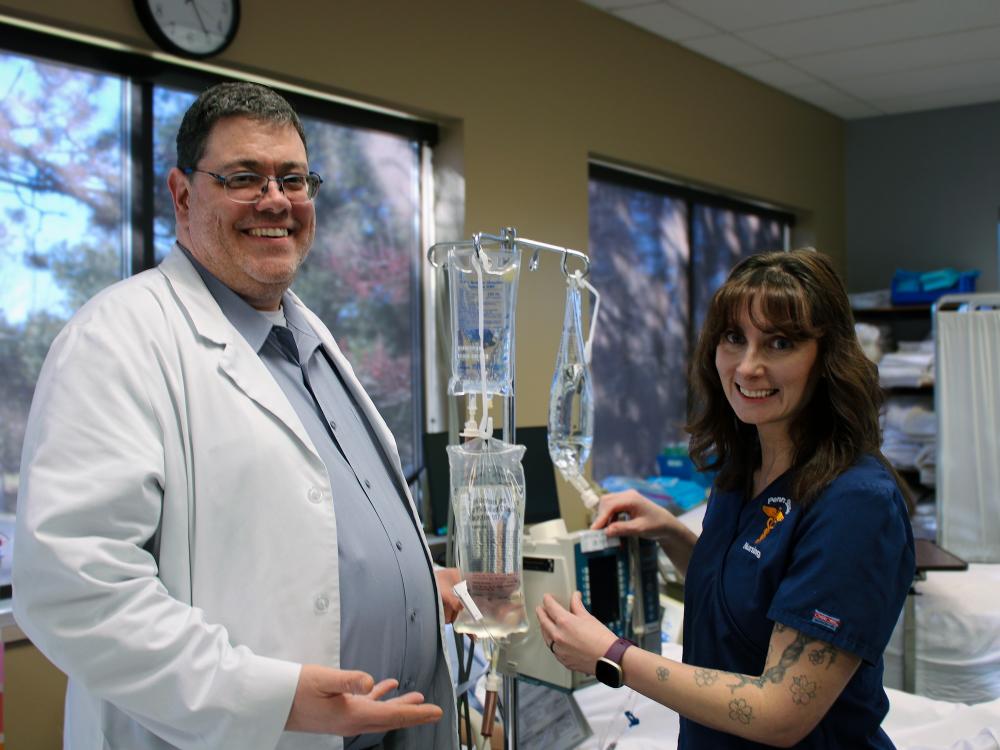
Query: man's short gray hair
[230,99]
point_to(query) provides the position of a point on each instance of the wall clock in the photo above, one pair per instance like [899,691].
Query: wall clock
[192,28]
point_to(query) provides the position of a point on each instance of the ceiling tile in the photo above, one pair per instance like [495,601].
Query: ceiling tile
[733,15]
[727,49]
[925,80]
[832,100]
[777,73]
[938,99]
[878,25]
[966,46]
[667,22]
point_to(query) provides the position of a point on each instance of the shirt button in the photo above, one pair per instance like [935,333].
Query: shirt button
[322,604]
[399,544]
[368,484]
[314,494]
[408,684]
[413,615]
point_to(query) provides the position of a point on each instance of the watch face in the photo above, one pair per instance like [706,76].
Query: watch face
[608,672]
[196,28]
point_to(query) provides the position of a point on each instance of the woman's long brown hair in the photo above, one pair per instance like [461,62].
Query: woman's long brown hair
[799,294]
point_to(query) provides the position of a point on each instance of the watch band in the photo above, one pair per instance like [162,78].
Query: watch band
[617,649]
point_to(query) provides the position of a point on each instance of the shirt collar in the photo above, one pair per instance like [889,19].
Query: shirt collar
[253,326]
[305,339]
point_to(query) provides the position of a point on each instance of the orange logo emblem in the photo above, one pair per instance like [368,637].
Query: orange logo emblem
[774,517]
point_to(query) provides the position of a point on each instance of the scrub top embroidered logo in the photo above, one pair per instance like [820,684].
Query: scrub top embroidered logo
[776,510]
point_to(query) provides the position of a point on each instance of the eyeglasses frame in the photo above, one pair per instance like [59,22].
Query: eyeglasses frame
[279,181]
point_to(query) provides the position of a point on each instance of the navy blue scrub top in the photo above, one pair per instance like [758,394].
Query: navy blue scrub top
[838,572]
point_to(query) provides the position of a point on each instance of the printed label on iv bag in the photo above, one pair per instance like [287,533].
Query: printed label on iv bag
[497,324]
[489,540]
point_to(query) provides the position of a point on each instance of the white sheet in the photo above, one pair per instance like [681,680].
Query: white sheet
[957,637]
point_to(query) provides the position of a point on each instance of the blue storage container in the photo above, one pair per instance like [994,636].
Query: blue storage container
[911,288]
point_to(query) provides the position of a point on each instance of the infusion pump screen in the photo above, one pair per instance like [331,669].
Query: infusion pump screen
[605,599]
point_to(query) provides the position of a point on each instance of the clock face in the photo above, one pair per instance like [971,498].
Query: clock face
[195,28]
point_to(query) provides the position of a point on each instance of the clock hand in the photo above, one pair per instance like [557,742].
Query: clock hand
[197,15]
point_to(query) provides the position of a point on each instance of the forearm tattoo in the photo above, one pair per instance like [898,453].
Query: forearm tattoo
[818,655]
[789,657]
[662,673]
[740,710]
[705,677]
[803,691]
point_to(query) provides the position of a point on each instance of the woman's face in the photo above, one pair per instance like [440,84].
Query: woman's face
[767,377]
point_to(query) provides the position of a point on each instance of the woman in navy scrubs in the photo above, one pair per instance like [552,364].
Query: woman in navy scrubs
[806,554]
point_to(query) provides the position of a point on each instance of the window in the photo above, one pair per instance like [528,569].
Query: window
[63,198]
[87,140]
[658,253]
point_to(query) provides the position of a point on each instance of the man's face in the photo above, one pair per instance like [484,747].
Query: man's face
[253,248]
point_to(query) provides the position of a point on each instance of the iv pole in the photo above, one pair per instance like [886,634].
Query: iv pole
[508,240]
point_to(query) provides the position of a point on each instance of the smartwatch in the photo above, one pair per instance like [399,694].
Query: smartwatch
[609,667]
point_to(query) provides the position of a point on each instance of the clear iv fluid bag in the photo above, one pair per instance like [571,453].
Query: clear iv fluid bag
[499,289]
[487,493]
[571,400]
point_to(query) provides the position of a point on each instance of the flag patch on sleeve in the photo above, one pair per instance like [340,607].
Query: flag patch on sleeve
[827,621]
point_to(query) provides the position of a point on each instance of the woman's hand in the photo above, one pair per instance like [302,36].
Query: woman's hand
[649,520]
[575,637]
[646,518]
[446,579]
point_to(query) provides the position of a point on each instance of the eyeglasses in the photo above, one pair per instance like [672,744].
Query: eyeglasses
[250,187]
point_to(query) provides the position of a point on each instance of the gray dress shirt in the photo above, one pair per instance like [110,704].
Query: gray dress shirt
[388,624]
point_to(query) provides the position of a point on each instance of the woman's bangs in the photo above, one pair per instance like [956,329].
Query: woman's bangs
[779,308]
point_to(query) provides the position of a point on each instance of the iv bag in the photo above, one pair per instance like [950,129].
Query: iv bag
[499,297]
[487,493]
[571,400]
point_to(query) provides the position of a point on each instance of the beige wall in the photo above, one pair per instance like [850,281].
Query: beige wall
[537,87]
[33,697]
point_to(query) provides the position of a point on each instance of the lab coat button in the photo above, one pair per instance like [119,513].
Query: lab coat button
[314,494]
[399,544]
[322,604]
[368,484]
[333,425]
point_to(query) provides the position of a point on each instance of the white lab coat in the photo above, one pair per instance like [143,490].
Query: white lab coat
[154,419]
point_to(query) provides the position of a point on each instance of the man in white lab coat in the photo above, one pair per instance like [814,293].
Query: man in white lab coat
[215,540]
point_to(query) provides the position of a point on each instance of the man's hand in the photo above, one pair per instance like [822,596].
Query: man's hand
[346,703]
[446,579]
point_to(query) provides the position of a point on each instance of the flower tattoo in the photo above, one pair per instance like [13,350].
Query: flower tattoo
[705,677]
[662,673]
[818,655]
[740,710]
[803,691]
